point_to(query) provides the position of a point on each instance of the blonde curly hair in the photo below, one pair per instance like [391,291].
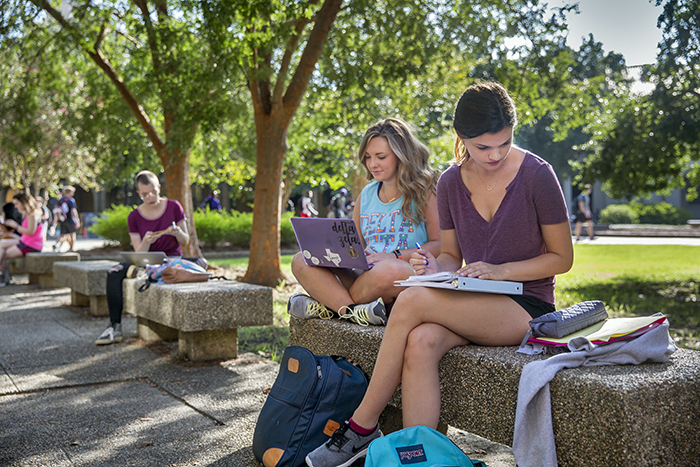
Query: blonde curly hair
[416,180]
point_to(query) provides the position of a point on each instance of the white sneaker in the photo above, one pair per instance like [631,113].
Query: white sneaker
[110,335]
[304,307]
[369,313]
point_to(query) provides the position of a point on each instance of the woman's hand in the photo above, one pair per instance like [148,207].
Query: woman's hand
[482,270]
[149,238]
[423,262]
[373,257]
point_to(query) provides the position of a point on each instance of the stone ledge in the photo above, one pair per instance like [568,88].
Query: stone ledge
[203,316]
[616,415]
[85,277]
[39,266]
[200,306]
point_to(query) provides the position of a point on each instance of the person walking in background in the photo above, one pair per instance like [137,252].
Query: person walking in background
[307,206]
[32,234]
[66,216]
[46,215]
[211,201]
[338,204]
[583,212]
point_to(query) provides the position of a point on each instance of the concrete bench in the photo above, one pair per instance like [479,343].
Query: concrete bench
[39,266]
[694,222]
[616,415]
[203,316]
[87,281]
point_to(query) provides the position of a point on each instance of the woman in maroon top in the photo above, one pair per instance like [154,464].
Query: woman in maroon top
[502,217]
[158,224]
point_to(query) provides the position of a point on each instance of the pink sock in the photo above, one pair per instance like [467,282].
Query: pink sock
[360,430]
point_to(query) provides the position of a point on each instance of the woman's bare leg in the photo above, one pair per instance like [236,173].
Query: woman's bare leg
[420,387]
[323,284]
[379,281]
[485,319]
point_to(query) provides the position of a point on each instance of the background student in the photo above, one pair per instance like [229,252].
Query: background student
[158,224]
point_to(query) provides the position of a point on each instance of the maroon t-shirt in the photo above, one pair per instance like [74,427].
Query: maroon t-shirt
[166,243]
[533,198]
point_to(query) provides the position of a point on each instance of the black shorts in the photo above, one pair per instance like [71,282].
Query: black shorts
[533,305]
[581,217]
[67,227]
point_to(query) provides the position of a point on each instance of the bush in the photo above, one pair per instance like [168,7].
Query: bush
[112,225]
[619,214]
[660,213]
[213,227]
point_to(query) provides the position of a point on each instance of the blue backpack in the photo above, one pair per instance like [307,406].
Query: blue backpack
[417,446]
[312,396]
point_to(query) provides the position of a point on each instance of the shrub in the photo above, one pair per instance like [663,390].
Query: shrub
[112,225]
[619,214]
[660,213]
[213,227]
[286,230]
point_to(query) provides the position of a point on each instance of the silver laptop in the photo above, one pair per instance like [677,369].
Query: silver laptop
[329,242]
[143,259]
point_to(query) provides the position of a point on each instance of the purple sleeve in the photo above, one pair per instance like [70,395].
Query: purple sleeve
[444,188]
[549,198]
[132,221]
[178,212]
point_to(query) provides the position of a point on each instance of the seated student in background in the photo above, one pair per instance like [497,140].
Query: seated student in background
[158,224]
[502,217]
[9,211]
[31,232]
[397,210]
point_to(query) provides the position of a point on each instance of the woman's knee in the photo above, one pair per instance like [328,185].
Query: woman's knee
[298,263]
[424,345]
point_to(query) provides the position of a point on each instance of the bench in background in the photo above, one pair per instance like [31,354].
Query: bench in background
[615,415]
[87,281]
[203,316]
[39,266]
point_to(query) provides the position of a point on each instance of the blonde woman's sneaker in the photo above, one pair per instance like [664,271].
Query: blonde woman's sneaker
[304,307]
[366,314]
[110,335]
[344,448]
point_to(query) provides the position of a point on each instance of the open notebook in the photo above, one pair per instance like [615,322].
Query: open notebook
[453,281]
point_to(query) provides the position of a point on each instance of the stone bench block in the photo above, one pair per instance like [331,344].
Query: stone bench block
[39,266]
[615,415]
[87,281]
[203,316]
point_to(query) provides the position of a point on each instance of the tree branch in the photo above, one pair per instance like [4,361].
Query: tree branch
[151,33]
[102,62]
[299,26]
[324,20]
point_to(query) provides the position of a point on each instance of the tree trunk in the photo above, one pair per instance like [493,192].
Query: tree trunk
[177,187]
[264,261]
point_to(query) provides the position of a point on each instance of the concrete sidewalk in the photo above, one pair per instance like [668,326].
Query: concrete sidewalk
[66,402]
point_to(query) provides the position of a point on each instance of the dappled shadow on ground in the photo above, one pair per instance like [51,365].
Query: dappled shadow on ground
[679,301]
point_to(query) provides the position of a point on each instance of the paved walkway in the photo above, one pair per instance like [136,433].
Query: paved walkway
[66,402]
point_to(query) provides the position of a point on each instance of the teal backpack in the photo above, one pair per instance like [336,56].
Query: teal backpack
[418,446]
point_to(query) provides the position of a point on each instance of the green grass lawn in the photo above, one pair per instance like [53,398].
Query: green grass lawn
[632,280]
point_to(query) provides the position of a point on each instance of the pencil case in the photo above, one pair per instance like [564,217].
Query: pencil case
[563,322]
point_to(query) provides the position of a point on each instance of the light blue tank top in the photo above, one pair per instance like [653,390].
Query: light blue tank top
[383,226]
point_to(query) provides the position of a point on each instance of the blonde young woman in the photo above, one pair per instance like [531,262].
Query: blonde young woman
[396,210]
[31,231]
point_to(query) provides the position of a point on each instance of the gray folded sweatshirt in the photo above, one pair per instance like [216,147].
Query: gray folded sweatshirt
[533,438]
